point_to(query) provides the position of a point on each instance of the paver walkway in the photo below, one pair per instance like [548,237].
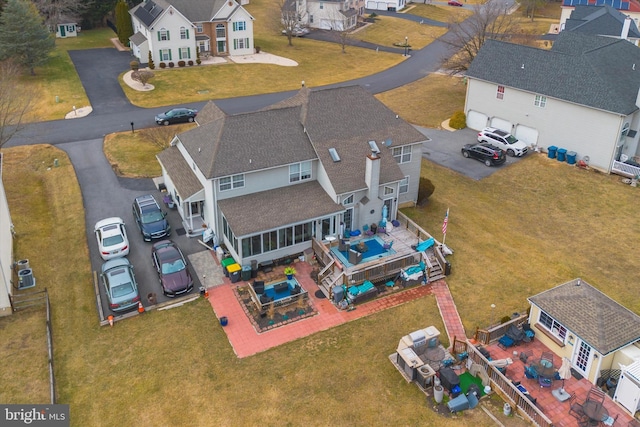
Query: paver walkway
[246,341]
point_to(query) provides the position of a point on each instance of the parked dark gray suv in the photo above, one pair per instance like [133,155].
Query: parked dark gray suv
[150,218]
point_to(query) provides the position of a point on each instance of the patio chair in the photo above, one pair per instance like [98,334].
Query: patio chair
[505,342]
[609,421]
[387,246]
[524,355]
[575,408]
[530,373]
[367,231]
[595,395]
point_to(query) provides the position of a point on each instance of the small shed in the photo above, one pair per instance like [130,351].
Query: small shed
[67,30]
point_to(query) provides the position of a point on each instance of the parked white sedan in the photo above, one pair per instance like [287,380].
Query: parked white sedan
[112,238]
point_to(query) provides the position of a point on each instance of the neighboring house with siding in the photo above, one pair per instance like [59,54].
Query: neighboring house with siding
[579,322]
[336,15]
[629,8]
[602,21]
[268,182]
[172,29]
[581,95]
[6,250]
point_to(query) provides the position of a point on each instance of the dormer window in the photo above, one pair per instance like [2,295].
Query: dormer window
[348,200]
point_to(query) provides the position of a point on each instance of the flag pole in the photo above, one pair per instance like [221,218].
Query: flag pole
[444,226]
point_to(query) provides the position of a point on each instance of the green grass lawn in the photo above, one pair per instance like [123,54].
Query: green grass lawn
[390,31]
[527,228]
[440,13]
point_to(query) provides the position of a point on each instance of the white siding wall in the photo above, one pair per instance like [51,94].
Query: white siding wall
[172,23]
[6,252]
[586,131]
[235,37]
[412,170]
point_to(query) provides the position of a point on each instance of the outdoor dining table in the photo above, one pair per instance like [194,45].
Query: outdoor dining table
[434,357]
[545,369]
[595,411]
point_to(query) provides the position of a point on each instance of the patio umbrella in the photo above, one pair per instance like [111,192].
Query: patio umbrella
[565,371]
[385,212]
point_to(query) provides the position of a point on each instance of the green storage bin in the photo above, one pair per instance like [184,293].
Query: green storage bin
[225,263]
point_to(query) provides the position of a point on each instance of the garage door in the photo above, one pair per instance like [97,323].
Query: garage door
[382,6]
[325,24]
[527,134]
[372,5]
[503,124]
[476,120]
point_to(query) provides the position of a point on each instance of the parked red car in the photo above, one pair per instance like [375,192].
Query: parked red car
[454,3]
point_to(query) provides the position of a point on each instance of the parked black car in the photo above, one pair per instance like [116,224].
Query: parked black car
[150,218]
[171,266]
[489,154]
[177,115]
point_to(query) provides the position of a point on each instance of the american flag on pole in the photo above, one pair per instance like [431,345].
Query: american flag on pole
[444,224]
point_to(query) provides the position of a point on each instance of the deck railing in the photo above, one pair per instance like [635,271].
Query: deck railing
[509,392]
[487,336]
[414,228]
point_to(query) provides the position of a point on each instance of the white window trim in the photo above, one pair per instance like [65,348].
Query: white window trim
[540,101]
[235,181]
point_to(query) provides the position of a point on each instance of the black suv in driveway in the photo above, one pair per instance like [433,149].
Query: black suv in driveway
[150,218]
[489,154]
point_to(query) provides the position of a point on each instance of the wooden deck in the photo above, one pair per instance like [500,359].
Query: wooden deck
[404,237]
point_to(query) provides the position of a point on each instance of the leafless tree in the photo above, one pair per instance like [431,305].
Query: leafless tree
[491,20]
[142,76]
[57,12]
[15,101]
[342,25]
[160,136]
[292,16]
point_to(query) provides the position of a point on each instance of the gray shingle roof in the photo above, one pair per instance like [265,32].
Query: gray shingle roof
[355,117]
[343,118]
[138,38]
[276,208]
[599,20]
[597,319]
[248,142]
[198,10]
[181,174]
[593,71]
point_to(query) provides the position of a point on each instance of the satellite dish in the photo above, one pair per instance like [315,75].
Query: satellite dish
[387,142]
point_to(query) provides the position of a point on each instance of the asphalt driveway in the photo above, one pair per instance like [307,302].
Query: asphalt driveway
[98,70]
[444,148]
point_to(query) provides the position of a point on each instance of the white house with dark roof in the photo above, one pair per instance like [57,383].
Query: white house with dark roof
[172,29]
[316,165]
[582,95]
[577,321]
[336,15]
[629,8]
[602,20]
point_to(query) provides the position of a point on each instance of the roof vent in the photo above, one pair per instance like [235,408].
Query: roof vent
[522,67]
[334,154]
[579,282]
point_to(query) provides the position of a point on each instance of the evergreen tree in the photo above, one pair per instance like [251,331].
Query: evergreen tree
[123,22]
[23,35]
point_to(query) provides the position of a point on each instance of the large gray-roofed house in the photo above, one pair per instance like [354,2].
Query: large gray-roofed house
[601,21]
[581,323]
[581,95]
[269,171]
[172,30]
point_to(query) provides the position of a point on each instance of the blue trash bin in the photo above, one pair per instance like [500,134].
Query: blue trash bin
[562,153]
[552,151]
[571,157]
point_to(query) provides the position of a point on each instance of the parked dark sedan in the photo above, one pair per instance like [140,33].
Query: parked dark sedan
[176,115]
[171,266]
[489,154]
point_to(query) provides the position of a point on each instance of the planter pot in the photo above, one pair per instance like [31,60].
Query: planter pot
[438,393]
[289,276]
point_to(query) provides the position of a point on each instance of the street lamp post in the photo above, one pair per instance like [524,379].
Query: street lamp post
[406,46]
